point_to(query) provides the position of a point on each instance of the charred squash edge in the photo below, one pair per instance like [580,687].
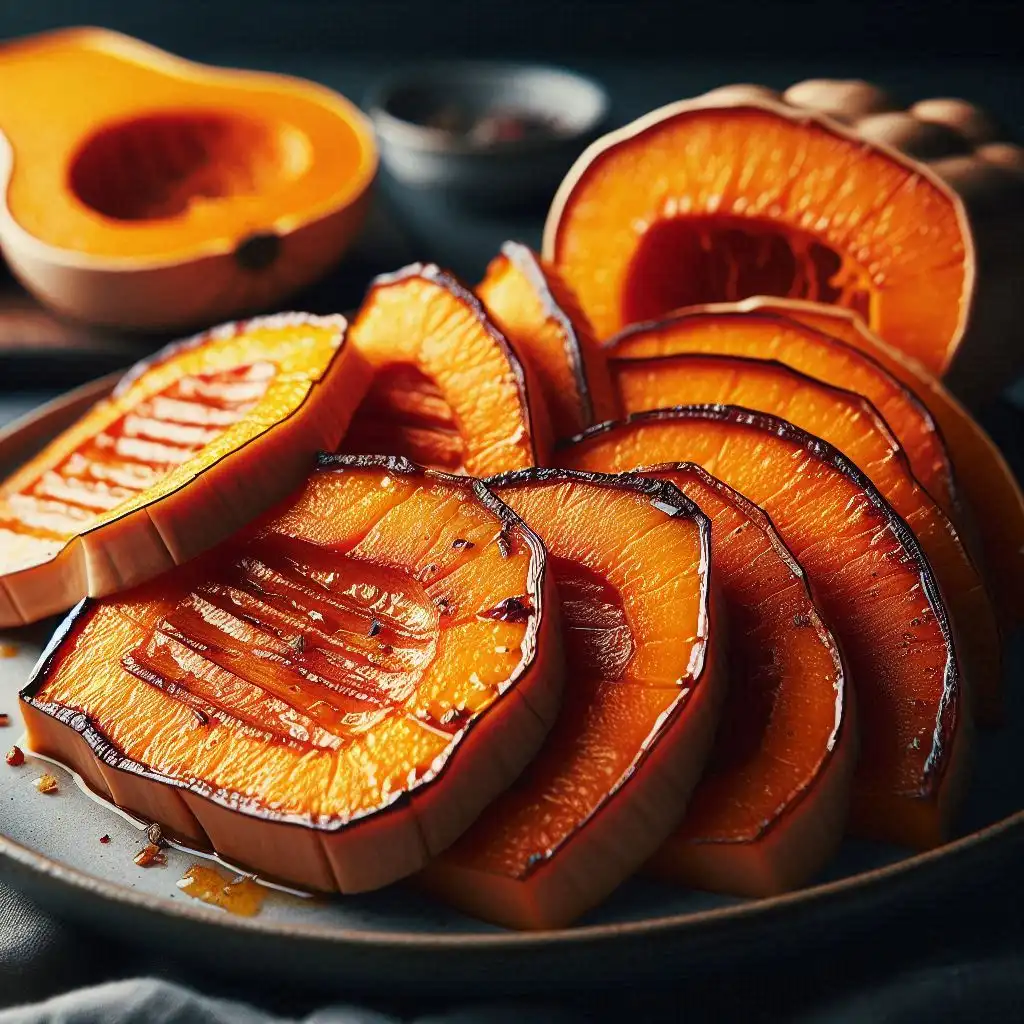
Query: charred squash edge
[110,755]
[943,735]
[794,115]
[526,261]
[667,498]
[842,724]
[226,331]
[855,398]
[463,293]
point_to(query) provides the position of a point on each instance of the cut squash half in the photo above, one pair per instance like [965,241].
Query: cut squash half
[987,483]
[631,562]
[537,312]
[716,199]
[725,330]
[191,445]
[448,390]
[330,699]
[872,580]
[772,804]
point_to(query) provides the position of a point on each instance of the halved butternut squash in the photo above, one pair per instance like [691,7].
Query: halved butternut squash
[771,806]
[168,194]
[449,391]
[538,313]
[192,444]
[643,692]
[851,425]
[876,590]
[332,697]
[725,330]
[718,198]
[985,480]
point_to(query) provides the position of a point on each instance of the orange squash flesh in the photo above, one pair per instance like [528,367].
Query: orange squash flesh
[328,700]
[449,391]
[772,804]
[538,313]
[724,331]
[987,483]
[191,445]
[713,200]
[873,583]
[850,424]
[643,692]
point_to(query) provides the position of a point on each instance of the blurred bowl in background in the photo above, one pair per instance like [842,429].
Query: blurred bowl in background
[485,135]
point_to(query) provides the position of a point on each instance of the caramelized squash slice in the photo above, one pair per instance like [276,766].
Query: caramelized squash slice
[716,199]
[538,313]
[448,390]
[643,692]
[772,804]
[726,331]
[331,698]
[987,483]
[192,444]
[873,583]
[850,424]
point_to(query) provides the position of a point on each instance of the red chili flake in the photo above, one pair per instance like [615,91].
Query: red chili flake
[104,839]
[46,784]
[461,544]
[15,756]
[374,629]
[5,719]
[512,609]
[149,856]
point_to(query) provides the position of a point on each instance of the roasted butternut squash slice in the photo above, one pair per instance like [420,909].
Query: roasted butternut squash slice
[332,697]
[715,199]
[537,312]
[169,194]
[851,425]
[771,806]
[448,391]
[874,584]
[986,482]
[643,692]
[192,444]
[725,330]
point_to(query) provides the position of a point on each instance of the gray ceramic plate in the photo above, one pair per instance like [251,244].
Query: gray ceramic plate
[399,939]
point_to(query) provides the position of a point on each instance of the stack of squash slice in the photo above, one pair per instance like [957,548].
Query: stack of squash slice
[696,600]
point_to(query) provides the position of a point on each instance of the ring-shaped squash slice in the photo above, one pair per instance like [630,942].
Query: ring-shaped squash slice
[538,313]
[449,391]
[772,804]
[643,692]
[331,698]
[192,444]
[873,583]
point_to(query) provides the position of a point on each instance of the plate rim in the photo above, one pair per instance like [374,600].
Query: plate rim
[756,910]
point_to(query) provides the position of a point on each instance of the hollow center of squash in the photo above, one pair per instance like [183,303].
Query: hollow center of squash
[598,640]
[162,165]
[687,261]
[305,643]
[406,413]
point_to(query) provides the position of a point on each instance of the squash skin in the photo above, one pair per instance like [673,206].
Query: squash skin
[585,819]
[754,826]
[899,795]
[572,374]
[328,851]
[995,503]
[935,345]
[153,534]
[449,340]
[192,268]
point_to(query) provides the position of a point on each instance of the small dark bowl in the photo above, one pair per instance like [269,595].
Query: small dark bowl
[495,173]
